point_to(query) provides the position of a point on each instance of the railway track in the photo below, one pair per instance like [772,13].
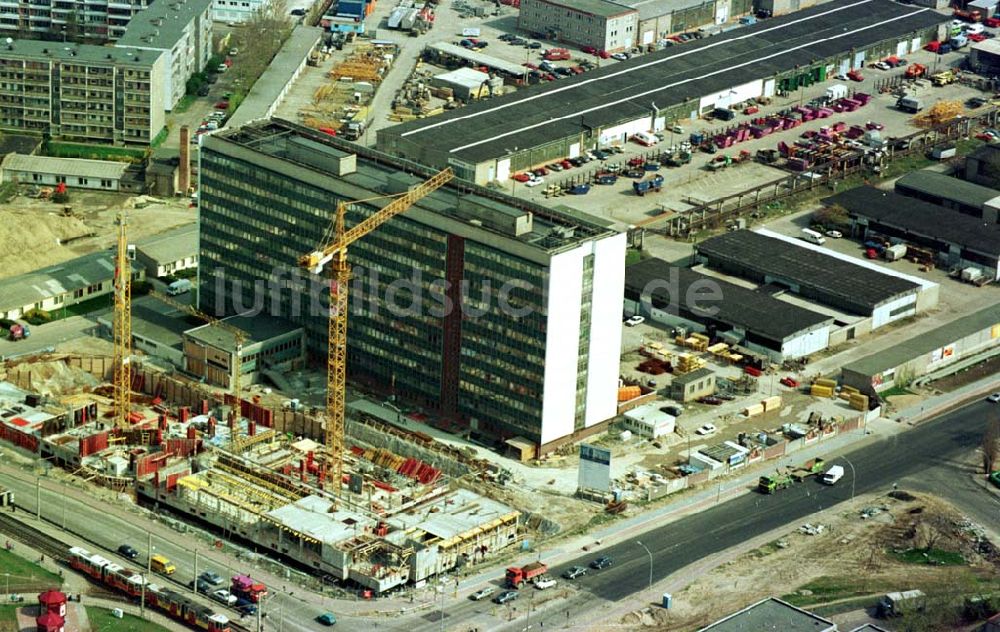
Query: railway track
[30,536]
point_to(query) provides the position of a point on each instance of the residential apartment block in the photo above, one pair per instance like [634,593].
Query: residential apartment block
[93,19]
[472,304]
[602,24]
[82,93]
[180,29]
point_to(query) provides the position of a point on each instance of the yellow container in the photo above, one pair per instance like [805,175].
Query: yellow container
[822,381]
[755,409]
[771,403]
[821,391]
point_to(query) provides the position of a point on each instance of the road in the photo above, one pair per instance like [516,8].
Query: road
[939,444]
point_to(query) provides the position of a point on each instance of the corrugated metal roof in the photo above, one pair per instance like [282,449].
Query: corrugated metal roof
[172,245]
[926,342]
[34,287]
[947,187]
[72,167]
[602,8]
[478,58]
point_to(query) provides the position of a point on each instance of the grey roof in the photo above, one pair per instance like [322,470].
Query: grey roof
[266,92]
[917,217]
[693,376]
[19,144]
[259,328]
[63,278]
[939,185]
[926,342]
[602,8]
[82,53]
[171,245]
[479,59]
[772,615]
[72,167]
[678,74]
[840,282]
[162,23]
[756,311]
[476,209]
[651,9]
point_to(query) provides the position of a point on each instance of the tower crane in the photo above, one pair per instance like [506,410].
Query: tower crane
[335,249]
[237,333]
[124,255]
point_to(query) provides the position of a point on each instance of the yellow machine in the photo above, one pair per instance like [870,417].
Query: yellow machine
[335,249]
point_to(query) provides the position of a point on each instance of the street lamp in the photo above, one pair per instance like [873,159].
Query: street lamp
[853,475]
[650,554]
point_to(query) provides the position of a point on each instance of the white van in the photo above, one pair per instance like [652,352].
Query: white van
[833,475]
[813,237]
[645,138]
[974,29]
[179,287]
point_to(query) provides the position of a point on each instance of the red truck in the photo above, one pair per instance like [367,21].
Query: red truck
[518,576]
[556,54]
[246,588]
[968,15]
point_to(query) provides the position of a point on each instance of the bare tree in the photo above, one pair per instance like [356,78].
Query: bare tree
[991,446]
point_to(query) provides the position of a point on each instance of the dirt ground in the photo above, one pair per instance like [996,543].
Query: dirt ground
[967,376]
[35,234]
[843,569]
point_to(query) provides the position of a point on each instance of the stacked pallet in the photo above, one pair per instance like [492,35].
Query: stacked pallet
[823,387]
[687,362]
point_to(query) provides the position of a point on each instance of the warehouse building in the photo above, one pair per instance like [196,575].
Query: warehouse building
[603,24]
[782,7]
[755,319]
[491,140]
[960,241]
[659,19]
[951,192]
[864,295]
[75,173]
[984,57]
[62,285]
[182,31]
[473,304]
[169,252]
[772,614]
[926,353]
[83,93]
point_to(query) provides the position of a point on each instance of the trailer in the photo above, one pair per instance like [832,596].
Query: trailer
[642,187]
[810,468]
[771,484]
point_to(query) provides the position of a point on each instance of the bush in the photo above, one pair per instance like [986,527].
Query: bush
[140,288]
[37,317]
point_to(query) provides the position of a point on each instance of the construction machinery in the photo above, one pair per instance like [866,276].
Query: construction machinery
[124,255]
[914,71]
[237,333]
[338,238]
[771,484]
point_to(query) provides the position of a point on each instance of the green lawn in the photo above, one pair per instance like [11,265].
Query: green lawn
[102,619]
[935,557]
[84,307]
[894,391]
[186,101]
[95,152]
[8,619]
[827,589]
[22,575]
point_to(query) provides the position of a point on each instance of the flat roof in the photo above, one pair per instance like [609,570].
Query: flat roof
[601,8]
[467,77]
[259,328]
[693,376]
[627,91]
[926,342]
[172,245]
[19,143]
[161,24]
[920,218]
[841,280]
[478,58]
[62,278]
[649,414]
[484,214]
[267,90]
[321,520]
[73,167]
[990,46]
[772,615]
[756,311]
[463,512]
[650,9]
[948,187]
[81,53]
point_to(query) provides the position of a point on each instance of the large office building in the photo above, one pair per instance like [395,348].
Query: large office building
[93,20]
[481,307]
[605,25]
[182,31]
[491,140]
[83,93]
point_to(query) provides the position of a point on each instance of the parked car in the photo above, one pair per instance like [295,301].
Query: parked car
[576,571]
[522,177]
[202,586]
[222,105]
[479,595]
[556,166]
[590,50]
[504,597]
[711,400]
[672,410]
[541,171]
[976,102]
[790,382]
[533,45]
[635,320]
[326,618]
[221,68]
[707,429]
[246,606]
[224,596]
[620,56]
[212,578]
[834,234]
[534,181]
[127,551]
[602,562]
[994,398]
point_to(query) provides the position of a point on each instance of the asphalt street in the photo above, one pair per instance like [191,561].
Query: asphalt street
[941,445]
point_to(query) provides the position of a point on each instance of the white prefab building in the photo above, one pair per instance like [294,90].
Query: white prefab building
[649,421]
[77,173]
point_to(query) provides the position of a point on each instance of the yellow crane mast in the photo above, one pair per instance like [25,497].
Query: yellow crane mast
[124,255]
[237,333]
[335,249]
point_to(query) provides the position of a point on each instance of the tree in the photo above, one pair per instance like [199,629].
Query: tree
[991,446]
[832,216]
